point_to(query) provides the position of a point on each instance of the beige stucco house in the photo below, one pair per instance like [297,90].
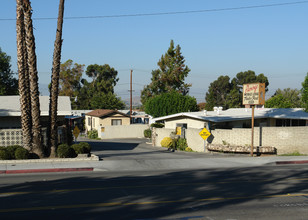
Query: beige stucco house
[236,118]
[97,119]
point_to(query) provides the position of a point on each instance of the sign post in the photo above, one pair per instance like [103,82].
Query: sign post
[204,134]
[253,94]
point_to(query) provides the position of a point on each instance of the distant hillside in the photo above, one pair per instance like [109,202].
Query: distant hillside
[136,101]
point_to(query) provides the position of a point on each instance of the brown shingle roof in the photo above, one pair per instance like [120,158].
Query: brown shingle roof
[103,112]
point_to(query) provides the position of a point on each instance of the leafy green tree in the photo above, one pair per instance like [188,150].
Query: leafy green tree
[278,101]
[100,92]
[8,84]
[218,93]
[304,92]
[249,77]
[241,78]
[106,101]
[286,98]
[104,77]
[170,75]
[70,76]
[69,80]
[170,103]
[229,94]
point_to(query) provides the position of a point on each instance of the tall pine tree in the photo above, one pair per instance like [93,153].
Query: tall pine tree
[170,76]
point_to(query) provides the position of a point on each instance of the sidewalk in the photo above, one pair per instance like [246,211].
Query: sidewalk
[90,164]
[48,165]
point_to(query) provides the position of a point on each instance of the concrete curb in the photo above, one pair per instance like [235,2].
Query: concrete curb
[46,170]
[76,159]
[292,162]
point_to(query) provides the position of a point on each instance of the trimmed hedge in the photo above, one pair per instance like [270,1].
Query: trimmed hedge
[21,153]
[157,125]
[86,146]
[11,150]
[65,151]
[93,134]
[4,155]
[147,133]
[167,142]
[181,144]
[188,149]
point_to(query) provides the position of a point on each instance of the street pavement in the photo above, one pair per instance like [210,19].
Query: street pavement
[138,155]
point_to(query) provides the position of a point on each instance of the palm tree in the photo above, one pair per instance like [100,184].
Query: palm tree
[54,91]
[37,145]
[23,75]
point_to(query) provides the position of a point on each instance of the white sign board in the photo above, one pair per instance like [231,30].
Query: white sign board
[254,94]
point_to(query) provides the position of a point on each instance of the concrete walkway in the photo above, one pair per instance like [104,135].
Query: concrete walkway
[136,155]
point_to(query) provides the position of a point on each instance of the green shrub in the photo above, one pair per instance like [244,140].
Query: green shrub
[78,148]
[65,151]
[167,142]
[188,149]
[4,155]
[11,150]
[81,148]
[93,134]
[147,133]
[21,153]
[181,144]
[86,146]
[157,125]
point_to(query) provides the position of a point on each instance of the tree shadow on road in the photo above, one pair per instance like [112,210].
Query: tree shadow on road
[154,196]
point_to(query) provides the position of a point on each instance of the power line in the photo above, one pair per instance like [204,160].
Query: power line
[169,13]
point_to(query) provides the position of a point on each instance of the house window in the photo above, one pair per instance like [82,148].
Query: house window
[116,121]
[282,122]
[89,121]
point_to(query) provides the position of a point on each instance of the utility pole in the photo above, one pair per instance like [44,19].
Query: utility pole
[131,95]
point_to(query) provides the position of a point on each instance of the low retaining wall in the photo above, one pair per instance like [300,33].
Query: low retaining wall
[283,139]
[241,149]
[122,131]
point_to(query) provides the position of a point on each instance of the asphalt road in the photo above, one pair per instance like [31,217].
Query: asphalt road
[263,192]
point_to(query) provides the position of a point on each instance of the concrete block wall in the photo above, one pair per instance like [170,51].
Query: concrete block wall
[123,131]
[284,139]
[194,140]
[236,136]
[159,134]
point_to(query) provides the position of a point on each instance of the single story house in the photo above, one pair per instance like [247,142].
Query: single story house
[77,118]
[10,119]
[236,118]
[10,111]
[138,117]
[105,117]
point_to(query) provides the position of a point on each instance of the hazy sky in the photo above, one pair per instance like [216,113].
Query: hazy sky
[272,40]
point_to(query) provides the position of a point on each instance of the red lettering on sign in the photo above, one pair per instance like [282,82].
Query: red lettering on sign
[250,88]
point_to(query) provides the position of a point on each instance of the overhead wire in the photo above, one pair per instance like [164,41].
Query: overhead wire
[168,13]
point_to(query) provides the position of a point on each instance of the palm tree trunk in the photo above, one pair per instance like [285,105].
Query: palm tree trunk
[23,78]
[37,145]
[54,91]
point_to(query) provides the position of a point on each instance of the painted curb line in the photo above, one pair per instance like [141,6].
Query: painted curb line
[292,162]
[46,170]
[48,160]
